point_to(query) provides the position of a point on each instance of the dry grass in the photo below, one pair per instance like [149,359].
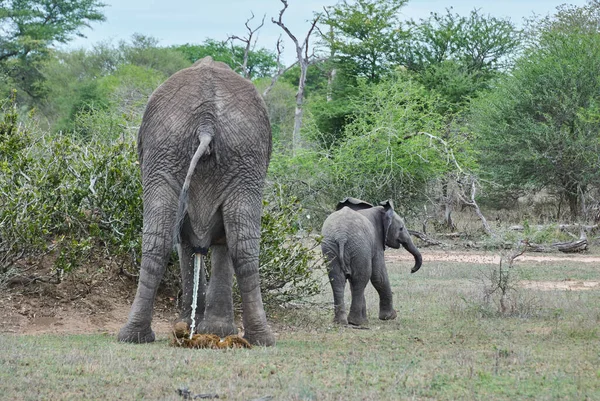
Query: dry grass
[448,343]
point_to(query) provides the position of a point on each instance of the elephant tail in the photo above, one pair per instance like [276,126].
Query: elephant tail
[342,258]
[205,140]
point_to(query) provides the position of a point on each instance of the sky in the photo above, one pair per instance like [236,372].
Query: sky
[192,21]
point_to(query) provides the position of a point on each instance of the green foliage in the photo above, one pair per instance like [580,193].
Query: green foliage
[281,105]
[539,126]
[457,56]
[110,82]
[143,51]
[364,35]
[394,146]
[30,27]
[288,258]
[76,197]
[334,107]
[66,196]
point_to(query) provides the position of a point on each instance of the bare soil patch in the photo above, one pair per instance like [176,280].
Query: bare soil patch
[88,301]
[565,285]
[489,258]
[486,258]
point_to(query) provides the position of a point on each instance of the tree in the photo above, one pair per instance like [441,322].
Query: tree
[30,27]
[144,51]
[365,35]
[458,56]
[539,127]
[393,148]
[107,82]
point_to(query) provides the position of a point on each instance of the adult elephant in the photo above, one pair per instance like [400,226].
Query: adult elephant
[354,239]
[204,147]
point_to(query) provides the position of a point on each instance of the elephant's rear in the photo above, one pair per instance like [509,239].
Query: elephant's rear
[207,97]
[346,236]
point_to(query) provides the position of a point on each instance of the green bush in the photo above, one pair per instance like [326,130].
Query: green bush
[66,196]
[288,258]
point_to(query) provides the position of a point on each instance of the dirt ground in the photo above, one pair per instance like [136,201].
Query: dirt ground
[100,302]
[83,303]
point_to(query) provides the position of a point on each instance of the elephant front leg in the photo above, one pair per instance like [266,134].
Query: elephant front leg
[218,316]
[186,262]
[338,284]
[381,282]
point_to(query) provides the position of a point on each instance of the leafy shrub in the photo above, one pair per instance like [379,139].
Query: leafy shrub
[66,196]
[288,258]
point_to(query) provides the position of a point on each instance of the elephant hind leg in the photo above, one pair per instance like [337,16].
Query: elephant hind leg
[358,308]
[157,243]
[242,227]
[337,280]
[218,318]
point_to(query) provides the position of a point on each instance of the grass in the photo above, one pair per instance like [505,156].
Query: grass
[447,344]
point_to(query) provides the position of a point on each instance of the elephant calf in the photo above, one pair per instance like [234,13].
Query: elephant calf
[354,239]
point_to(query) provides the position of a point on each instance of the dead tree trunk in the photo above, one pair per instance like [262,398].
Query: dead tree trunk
[304,60]
[473,204]
[333,72]
[447,206]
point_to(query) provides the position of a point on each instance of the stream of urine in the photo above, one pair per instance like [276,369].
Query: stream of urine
[197,266]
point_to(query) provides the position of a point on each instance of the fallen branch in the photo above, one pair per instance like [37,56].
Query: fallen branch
[429,241]
[27,280]
[561,227]
[580,245]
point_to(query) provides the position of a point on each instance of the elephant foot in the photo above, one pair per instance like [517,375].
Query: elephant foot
[357,320]
[388,315]
[128,334]
[218,327]
[340,320]
[263,337]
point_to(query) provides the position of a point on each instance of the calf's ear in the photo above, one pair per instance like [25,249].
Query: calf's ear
[354,204]
[388,217]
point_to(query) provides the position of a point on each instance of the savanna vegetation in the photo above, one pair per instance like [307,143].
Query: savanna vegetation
[478,128]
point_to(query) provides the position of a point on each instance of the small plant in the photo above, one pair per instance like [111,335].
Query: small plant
[500,286]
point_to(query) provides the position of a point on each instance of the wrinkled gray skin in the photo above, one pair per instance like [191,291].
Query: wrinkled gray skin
[204,147]
[354,239]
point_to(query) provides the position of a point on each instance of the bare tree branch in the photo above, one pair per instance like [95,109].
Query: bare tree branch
[249,44]
[472,203]
[281,69]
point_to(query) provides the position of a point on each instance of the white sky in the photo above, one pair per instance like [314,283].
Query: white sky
[188,21]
